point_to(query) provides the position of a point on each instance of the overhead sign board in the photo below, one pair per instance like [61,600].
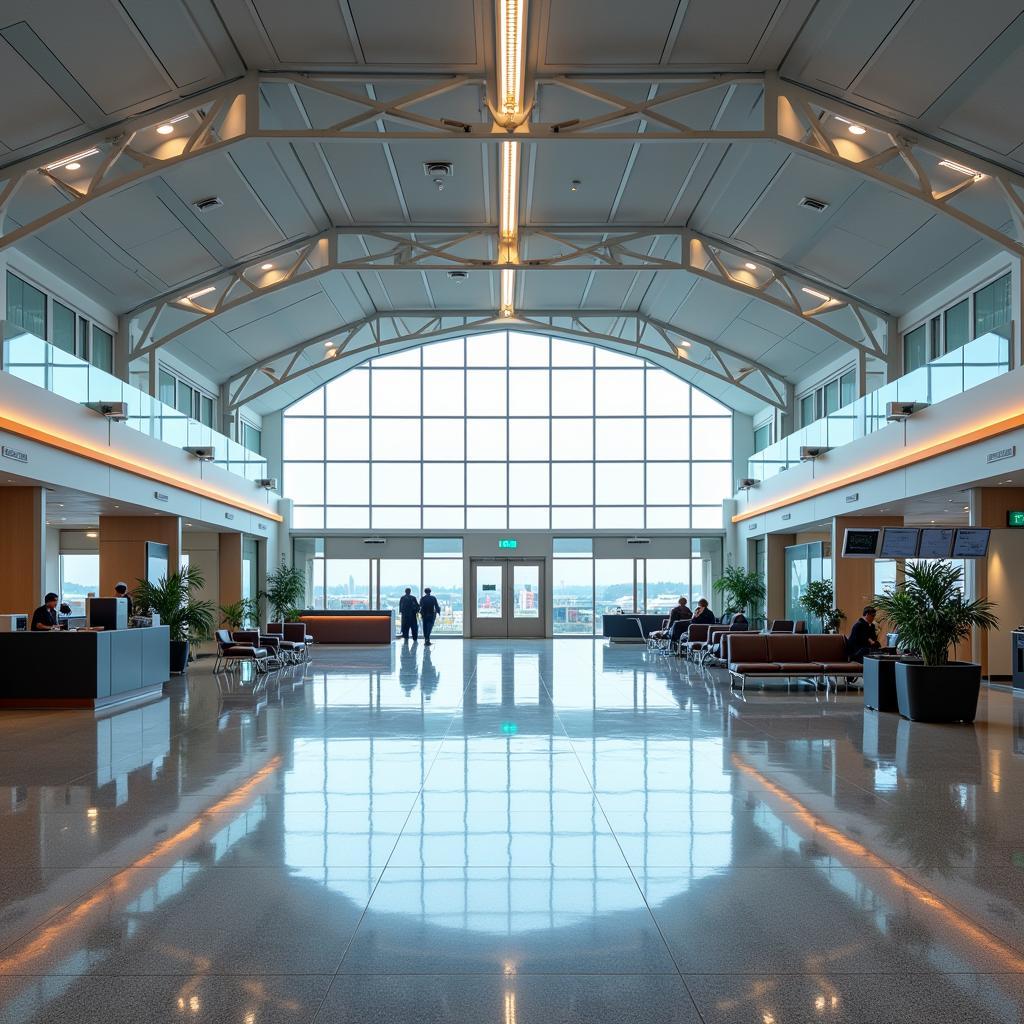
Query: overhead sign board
[508,542]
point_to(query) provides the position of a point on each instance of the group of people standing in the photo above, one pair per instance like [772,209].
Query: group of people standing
[428,610]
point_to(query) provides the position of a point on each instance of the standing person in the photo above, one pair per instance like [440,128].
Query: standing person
[121,590]
[429,610]
[408,606]
[863,636]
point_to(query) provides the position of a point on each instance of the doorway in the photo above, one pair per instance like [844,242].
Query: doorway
[508,597]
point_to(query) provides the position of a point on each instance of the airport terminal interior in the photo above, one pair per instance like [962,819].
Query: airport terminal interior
[511,512]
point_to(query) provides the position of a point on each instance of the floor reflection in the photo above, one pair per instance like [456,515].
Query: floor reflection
[539,817]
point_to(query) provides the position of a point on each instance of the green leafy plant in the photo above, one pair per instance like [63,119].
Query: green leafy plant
[286,589]
[240,614]
[928,611]
[740,589]
[173,599]
[818,600]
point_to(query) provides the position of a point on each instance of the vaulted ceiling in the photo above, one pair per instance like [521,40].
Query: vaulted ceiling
[658,164]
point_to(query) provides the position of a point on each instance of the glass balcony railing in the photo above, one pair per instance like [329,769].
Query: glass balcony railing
[49,367]
[976,362]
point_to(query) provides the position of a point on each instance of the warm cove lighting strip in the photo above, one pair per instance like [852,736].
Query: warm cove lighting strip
[978,432]
[511,19]
[511,63]
[850,849]
[33,432]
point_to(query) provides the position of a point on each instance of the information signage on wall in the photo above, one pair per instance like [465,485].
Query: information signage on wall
[1015,518]
[508,542]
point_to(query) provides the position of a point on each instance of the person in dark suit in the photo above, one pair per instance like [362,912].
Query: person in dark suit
[121,590]
[681,612]
[408,606]
[44,618]
[429,610]
[704,613]
[863,636]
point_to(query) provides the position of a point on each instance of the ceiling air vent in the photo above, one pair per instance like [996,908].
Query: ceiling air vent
[458,276]
[638,540]
[439,171]
[814,204]
[207,204]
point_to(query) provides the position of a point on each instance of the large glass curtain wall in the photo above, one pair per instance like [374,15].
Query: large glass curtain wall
[507,431]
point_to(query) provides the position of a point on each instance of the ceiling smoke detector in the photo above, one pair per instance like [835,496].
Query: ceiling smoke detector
[207,204]
[458,276]
[439,171]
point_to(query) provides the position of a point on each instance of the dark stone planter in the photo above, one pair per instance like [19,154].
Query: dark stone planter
[179,656]
[880,684]
[938,693]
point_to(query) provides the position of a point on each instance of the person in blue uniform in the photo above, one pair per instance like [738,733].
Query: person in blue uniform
[408,606]
[429,610]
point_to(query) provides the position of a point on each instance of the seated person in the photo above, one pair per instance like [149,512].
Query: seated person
[679,613]
[739,621]
[863,637]
[704,613]
[121,590]
[45,616]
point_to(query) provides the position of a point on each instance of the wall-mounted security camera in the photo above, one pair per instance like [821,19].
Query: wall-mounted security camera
[203,454]
[897,412]
[808,453]
[747,483]
[116,411]
[268,483]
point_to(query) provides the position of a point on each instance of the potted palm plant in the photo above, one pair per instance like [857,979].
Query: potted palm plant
[286,589]
[174,599]
[239,614]
[818,600]
[928,612]
[740,589]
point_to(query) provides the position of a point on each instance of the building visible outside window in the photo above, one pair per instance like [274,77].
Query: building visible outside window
[507,431]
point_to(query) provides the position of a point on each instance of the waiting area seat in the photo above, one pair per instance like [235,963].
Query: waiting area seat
[244,646]
[815,657]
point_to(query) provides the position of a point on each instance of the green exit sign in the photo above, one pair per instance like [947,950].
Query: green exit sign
[508,542]
[1015,518]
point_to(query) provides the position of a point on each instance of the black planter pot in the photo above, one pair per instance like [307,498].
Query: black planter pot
[179,656]
[938,693]
[880,684]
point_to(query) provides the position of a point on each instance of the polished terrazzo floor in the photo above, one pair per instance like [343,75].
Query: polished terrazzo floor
[531,831]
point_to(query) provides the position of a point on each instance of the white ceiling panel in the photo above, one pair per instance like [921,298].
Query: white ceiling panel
[263,173]
[881,215]
[579,32]
[984,116]
[313,32]
[365,181]
[599,166]
[444,32]
[133,216]
[174,257]
[39,114]
[723,31]
[841,256]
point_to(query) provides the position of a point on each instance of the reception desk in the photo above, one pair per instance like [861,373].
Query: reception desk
[83,670]
[350,626]
[626,629]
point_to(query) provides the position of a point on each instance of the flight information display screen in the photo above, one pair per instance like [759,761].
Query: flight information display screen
[899,542]
[936,542]
[860,543]
[971,542]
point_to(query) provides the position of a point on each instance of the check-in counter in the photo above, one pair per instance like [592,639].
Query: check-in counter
[626,629]
[83,670]
[350,626]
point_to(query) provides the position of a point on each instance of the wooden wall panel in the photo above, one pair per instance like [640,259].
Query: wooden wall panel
[22,548]
[123,547]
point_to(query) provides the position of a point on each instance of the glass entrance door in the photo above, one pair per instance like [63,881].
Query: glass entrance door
[508,598]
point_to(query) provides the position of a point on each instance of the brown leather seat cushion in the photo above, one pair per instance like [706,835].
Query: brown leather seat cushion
[805,667]
[826,647]
[698,631]
[747,648]
[842,668]
[759,668]
[787,647]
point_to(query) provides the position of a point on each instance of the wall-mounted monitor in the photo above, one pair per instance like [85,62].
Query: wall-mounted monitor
[899,542]
[861,543]
[971,542]
[936,542]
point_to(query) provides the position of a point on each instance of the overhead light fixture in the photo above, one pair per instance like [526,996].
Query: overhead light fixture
[817,294]
[508,292]
[856,129]
[511,41]
[75,158]
[962,169]
[509,190]
[91,534]
[328,344]
[574,185]
[199,294]
[331,353]
[266,266]
[750,266]
[168,126]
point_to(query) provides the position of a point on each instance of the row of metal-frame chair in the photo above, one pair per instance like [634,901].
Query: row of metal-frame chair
[283,643]
[705,642]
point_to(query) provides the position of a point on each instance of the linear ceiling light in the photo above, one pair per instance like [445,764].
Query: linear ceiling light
[168,126]
[962,169]
[508,292]
[199,294]
[509,191]
[511,22]
[817,295]
[75,158]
